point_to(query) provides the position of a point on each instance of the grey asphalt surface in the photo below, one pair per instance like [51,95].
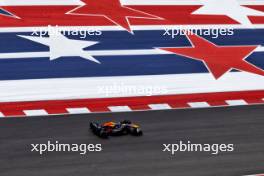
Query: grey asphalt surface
[137,156]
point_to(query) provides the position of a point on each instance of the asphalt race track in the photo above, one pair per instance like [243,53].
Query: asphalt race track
[137,156]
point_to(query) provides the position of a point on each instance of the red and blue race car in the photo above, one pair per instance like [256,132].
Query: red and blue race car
[115,129]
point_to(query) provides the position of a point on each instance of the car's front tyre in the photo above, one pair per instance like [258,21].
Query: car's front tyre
[136,132]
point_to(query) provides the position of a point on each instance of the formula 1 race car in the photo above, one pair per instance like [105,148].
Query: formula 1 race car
[115,129]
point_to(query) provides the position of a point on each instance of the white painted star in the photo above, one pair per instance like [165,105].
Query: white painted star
[230,8]
[61,46]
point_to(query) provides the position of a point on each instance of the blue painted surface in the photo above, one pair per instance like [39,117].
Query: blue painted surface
[36,68]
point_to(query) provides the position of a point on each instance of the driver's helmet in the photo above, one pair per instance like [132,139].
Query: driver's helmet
[118,125]
[126,122]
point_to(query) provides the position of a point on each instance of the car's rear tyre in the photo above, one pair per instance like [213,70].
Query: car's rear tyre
[93,125]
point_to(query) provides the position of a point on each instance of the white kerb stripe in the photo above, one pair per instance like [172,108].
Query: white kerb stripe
[1,115]
[119,108]
[78,110]
[236,102]
[35,112]
[199,104]
[159,106]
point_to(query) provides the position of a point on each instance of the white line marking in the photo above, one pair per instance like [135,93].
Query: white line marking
[90,87]
[29,55]
[32,55]
[78,110]
[199,104]
[134,28]
[159,106]
[35,112]
[259,49]
[119,108]
[236,102]
[1,115]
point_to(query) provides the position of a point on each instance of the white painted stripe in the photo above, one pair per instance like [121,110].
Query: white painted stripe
[156,51]
[124,2]
[259,49]
[199,104]
[236,102]
[95,87]
[35,112]
[31,55]
[119,108]
[1,115]
[159,106]
[127,52]
[135,28]
[78,110]
[28,55]
[138,27]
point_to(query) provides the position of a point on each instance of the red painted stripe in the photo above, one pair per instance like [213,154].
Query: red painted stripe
[17,113]
[139,107]
[179,104]
[135,103]
[254,101]
[52,110]
[217,103]
[55,15]
[95,108]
